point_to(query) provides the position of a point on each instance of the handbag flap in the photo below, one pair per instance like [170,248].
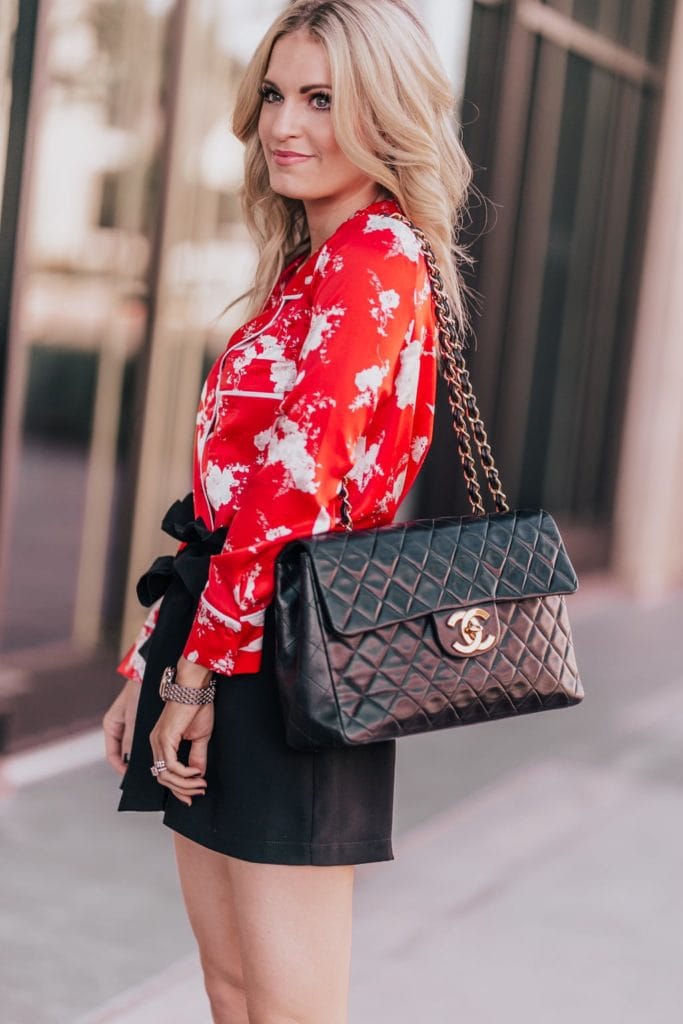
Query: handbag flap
[375,577]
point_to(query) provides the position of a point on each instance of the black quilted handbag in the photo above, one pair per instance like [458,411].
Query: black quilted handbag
[413,627]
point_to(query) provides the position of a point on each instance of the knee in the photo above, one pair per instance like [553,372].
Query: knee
[227,995]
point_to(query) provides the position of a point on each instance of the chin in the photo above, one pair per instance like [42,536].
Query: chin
[289,189]
[288,193]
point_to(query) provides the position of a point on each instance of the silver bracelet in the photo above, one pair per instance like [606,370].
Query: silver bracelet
[170,690]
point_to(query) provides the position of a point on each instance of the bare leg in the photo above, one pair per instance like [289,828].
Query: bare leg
[294,925]
[205,882]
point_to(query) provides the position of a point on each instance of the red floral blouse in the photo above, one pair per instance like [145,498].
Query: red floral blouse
[336,376]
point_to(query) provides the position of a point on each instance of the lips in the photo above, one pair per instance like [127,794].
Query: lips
[284,157]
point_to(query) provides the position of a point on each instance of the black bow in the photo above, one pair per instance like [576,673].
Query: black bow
[190,565]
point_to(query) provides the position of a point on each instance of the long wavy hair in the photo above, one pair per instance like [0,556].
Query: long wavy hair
[393,117]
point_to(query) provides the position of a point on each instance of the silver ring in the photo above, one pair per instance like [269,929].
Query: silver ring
[158,767]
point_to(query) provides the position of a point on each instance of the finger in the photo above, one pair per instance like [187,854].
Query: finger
[172,781]
[113,732]
[186,784]
[198,754]
[186,796]
[168,744]
[165,741]
[183,793]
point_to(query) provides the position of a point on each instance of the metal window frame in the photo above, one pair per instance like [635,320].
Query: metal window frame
[27,67]
[523,26]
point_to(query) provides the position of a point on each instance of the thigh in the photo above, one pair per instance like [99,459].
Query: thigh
[206,886]
[294,924]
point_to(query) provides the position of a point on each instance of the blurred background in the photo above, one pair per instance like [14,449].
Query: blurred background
[121,241]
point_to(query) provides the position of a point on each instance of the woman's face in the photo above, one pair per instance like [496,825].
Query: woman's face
[295,119]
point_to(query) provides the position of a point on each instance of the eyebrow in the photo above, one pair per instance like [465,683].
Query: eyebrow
[304,88]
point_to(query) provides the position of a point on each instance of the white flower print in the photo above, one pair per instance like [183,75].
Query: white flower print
[408,375]
[209,616]
[201,412]
[271,347]
[323,521]
[368,384]
[221,483]
[365,462]
[138,665]
[204,417]
[262,439]
[383,310]
[320,328]
[243,591]
[277,531]
[418,448]
[322,261]
[404,242]
[397,489]
[424,293]
[225,664]
[192,656]
[241,362]
[283,375]
[290,448]
[266,346]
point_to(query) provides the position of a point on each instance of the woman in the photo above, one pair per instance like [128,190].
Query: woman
[346,117]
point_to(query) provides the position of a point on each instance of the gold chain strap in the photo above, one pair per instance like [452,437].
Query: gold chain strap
[461,398]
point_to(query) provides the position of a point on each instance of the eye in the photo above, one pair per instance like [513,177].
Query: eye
[267,93]
[319,100]
[325,97]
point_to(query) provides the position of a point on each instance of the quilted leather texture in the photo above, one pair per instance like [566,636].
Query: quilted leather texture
[371,578]
[362,627]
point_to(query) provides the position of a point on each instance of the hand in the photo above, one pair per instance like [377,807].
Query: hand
[118,725]
[178,722]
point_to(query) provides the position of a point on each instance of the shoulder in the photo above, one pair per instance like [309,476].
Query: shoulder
[370,247]
[376,233]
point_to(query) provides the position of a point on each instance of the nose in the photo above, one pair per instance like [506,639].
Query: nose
[286,121]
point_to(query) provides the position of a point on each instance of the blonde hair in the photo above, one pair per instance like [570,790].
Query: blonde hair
[393,117]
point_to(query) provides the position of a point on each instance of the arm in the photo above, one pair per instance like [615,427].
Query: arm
[362,322]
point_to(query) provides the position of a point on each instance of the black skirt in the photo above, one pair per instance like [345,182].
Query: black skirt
[264,800]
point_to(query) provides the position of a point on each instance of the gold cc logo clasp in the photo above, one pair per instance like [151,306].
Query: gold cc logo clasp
[472,631]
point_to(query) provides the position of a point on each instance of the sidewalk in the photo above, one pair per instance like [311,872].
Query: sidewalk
[536,880]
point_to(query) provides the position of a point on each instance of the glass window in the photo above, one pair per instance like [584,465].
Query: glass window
[564,147]
[134,245]
[92,197]
[8,19]
[639,25]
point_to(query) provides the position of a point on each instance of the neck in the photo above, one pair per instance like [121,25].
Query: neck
[324,216]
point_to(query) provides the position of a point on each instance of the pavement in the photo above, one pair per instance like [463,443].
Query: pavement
[537,874]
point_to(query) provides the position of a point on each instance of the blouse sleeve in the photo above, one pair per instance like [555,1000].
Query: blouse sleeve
[363,314]
[132,665]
